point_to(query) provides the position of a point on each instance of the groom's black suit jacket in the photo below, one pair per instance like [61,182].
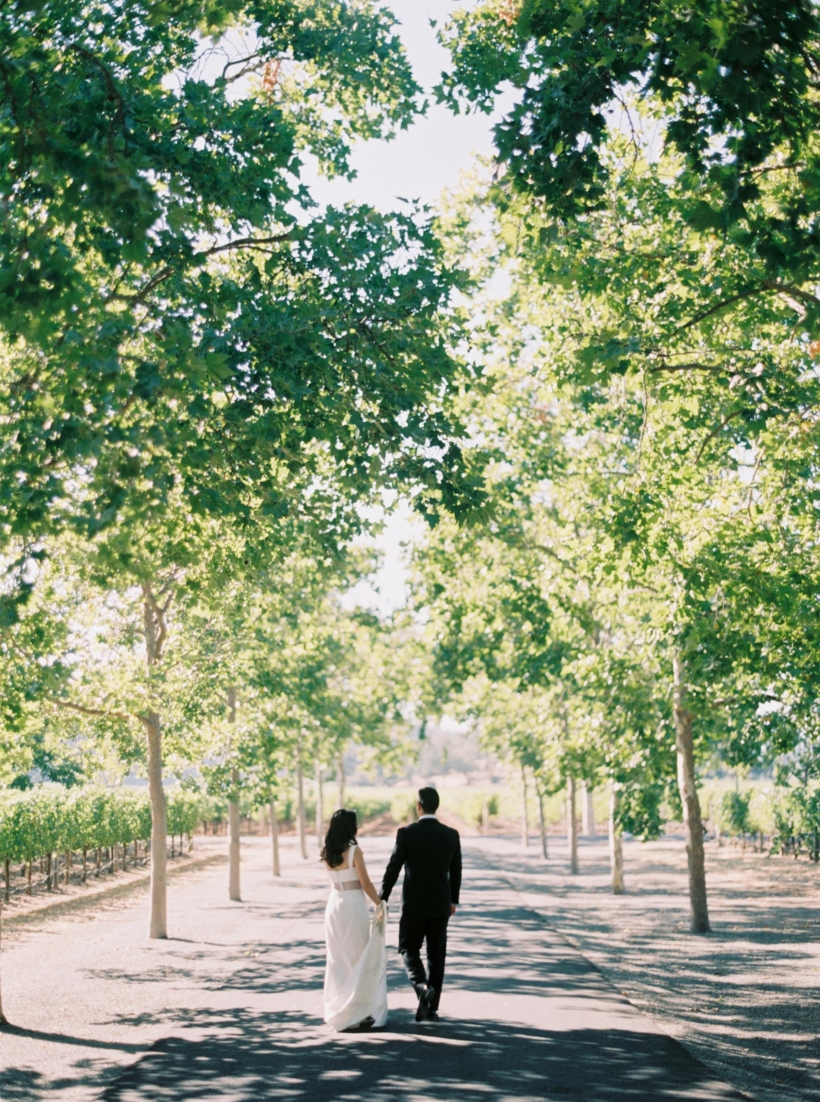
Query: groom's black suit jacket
[431,855]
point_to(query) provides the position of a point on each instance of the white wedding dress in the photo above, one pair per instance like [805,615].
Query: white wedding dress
[356,971]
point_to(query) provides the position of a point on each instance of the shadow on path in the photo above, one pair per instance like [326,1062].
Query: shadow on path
[498,952]
[734,991]
[525,1018]
[251,1055]
[69,1039]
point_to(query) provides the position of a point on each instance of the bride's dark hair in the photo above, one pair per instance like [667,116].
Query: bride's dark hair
[340,833]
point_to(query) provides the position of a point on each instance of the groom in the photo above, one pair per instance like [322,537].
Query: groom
[431,855]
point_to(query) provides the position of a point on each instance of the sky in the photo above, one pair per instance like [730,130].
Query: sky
[429,157]
[419,164]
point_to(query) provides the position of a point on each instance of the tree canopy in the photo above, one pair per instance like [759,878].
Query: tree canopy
[593,370]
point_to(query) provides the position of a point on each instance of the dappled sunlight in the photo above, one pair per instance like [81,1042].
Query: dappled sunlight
[258,1056]
[742,997]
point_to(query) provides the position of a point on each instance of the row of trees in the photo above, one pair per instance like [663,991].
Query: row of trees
[205,380]
[644,596]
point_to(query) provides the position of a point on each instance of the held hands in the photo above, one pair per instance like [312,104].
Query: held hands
[453,909]
[380,916]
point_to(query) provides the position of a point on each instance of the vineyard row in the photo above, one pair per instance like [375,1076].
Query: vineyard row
[88,827]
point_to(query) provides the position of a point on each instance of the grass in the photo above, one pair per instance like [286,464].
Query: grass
[467,802]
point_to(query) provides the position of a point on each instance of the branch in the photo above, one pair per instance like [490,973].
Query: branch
[724,701]
[643,422]
[160,277]
[166,585]
[721,306]
[752,483]
[86,710]
[113,92]
[21,138]
[694,366]
[167,271]
[159,616]
[535,545]
[246,243]
[785,289]
[775,168]
[729,417]
[244,61]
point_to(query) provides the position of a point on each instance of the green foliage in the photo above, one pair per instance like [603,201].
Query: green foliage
[49,818]
[659,200]
[642,806]
[733,813]
[648,408]
[178,320]
[368,807]
[729,90]
[203,378]
[796,813]
[403,808]
[184,811]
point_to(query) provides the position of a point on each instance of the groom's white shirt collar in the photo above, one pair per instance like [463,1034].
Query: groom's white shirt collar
[431,815]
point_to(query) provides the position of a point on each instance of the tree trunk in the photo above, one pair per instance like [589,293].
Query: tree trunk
[525,825]
[543,824]
[48,872]
[155,635]
[572,826]
[28,879]
[341,779]
[616,853]
[300,811]
[699,917]
[67,875]
[85,864]
[234,892]
[320,819]
[7,868]
[3,1019]
[234,856]
[587,811]
[158,921]
[274,837]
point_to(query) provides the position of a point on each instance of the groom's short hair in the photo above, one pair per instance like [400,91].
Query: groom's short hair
[428,798]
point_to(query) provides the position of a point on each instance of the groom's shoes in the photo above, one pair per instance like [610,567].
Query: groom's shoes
[426,1003]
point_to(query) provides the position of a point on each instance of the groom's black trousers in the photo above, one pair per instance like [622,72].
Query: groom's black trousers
[412,934]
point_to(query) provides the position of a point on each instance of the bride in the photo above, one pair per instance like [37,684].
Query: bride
[356,971]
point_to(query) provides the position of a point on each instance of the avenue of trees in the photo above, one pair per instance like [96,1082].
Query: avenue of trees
[649,571]
[593,372]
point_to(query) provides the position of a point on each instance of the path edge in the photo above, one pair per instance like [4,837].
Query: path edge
[103,892]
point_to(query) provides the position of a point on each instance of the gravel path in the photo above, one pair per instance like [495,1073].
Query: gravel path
[229,1006]
[744,998]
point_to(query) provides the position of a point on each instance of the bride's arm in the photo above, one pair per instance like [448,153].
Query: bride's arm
[366,882]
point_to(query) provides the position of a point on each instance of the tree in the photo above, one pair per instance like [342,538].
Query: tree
[238,370]
[730,94]
[147,326]
[628,532]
